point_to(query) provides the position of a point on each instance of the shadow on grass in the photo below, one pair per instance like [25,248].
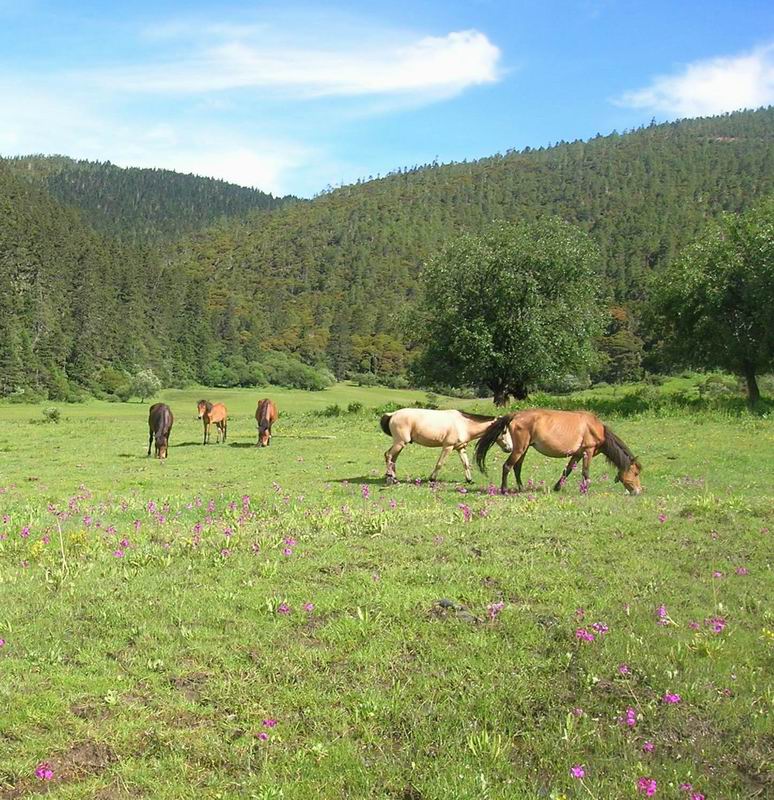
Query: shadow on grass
[243,445]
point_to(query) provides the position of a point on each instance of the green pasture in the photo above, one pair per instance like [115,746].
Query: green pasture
[158,617]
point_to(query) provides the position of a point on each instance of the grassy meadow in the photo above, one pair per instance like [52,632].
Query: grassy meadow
[238,622]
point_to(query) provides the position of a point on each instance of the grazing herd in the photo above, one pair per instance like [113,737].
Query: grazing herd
[160,421]
[577,435]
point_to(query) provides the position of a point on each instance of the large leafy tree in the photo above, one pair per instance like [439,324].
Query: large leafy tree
[716,299]
[511,308]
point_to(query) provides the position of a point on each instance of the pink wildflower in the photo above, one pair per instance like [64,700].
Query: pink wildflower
[225,552]
[624,669]
[717,574]
[494,609]
[263,736]
[742,571]
[647,786]
[671,699]
[630,718]
[648,747]
[25,532]
[2,642]
[577,712]
[118,553]
[308,607]
[466,513]
[288,551]
[283,608]
[662,518]
[716,623]
[584,635]
[686,787]
[365,491]
[393,504]
[578,771]
[44,772]
[269,723]
[600,627]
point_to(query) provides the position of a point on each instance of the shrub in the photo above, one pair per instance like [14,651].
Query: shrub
[354,408]
[284,370]
[51,414]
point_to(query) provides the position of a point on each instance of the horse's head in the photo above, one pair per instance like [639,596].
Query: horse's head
[161,446]
[264,435]
[630,477]
[505,442]
[203,406]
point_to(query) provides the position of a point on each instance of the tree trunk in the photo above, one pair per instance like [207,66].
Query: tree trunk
[753,393]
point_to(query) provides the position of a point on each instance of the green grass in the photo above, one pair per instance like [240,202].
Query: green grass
[150,675]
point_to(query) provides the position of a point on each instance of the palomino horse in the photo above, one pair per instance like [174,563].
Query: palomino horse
[213,412]
[558,434]
[450,430]
[265,416]
[160,422]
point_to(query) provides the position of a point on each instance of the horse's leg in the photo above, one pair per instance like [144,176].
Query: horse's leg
[466,464]
[520,439]
[150,441]
[567,470]
[225,429]
[441,459]
[587,456]
[517,470]
[391,456]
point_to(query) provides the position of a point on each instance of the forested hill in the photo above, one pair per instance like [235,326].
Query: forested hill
[313,276]
[331,281]
[141,205]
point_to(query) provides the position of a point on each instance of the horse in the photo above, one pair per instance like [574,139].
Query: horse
[265,416]
[160,421]
[213,412]
[449,430]
[558,434]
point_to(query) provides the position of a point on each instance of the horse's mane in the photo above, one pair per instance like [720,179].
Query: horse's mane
[477,417]
[207,404]
[616,452]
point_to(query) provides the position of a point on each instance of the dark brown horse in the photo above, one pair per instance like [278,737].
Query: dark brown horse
[265,416]
[213,412]
[160,421]
[559,434]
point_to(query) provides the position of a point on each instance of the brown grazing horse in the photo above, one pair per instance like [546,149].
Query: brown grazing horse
[265,416]
[213,412]
[450,430]
[160,422]
[558,434]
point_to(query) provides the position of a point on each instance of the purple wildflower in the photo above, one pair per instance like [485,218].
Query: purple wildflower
[44,772]
[25,532]
[584,635]
[263,736]
[578,771]
[283,608]
[365,491]
[309,607]
[494,609]
[118,553]
[671,699]
[742,571]
[647,786]
[648,747]
[623,669]
[630,718]
[288,551]
[466,512]
[269,723]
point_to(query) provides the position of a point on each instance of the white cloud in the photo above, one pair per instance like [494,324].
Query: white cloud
[433,65]
[711,86]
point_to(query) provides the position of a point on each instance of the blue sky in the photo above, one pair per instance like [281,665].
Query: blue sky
[293,97]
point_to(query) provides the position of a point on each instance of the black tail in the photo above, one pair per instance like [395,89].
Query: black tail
[385,423]
[489,438]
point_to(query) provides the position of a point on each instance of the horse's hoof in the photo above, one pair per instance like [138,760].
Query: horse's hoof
[468,480]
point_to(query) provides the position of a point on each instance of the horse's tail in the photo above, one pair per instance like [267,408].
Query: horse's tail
[385,423]
[490,436]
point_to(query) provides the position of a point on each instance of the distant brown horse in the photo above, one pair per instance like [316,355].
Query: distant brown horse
[160,421]
[447,429]
[558,434]
[213,412]
[265,416]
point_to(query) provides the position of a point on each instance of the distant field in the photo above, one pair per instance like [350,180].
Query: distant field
[158,617]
